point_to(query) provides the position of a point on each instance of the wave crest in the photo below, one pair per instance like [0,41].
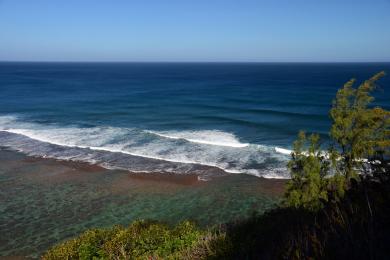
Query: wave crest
[167,151]
[211,137]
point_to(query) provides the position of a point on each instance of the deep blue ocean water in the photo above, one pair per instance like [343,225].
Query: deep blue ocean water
[205,118]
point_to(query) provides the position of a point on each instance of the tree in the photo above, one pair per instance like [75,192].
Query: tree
[360,137]
[307,187]
[358,131]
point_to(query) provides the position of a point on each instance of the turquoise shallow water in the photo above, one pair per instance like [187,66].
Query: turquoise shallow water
[43,202]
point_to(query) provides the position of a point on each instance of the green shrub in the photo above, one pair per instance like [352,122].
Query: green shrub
[141,240]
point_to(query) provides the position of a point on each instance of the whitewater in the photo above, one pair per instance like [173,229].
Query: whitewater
[167,151]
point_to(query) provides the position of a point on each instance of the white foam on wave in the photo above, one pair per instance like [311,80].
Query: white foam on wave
[283,151]
[45,138]
[208,147]
[211,137]
[306,153]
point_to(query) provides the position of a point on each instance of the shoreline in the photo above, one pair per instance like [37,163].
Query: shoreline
[181,179]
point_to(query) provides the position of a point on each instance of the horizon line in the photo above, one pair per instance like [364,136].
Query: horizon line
[97,61]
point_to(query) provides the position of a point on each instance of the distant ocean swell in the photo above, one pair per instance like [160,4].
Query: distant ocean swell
[205,152]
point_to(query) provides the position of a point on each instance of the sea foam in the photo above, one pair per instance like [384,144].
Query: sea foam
[213,148]
[211,137]
[283,151]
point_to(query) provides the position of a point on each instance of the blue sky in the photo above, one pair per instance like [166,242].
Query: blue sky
[197,30]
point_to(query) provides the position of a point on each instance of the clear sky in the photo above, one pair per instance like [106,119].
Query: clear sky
[196,30]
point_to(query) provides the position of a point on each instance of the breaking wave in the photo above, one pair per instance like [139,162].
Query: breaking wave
[145,150]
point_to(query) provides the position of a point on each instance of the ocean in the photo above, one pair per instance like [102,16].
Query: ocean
[203,118]
[172,123]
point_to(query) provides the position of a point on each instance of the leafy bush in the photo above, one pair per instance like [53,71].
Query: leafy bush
[141,240]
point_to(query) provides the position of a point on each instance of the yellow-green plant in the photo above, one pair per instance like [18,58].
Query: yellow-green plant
[360,137]
[307,187]
[141,240]
[359,131]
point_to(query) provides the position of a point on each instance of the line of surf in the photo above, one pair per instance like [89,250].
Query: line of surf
[283,151]
[199,141]
[306,153]
[112,150]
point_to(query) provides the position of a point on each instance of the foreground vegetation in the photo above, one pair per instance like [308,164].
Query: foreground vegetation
[142,240]
[336,204]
